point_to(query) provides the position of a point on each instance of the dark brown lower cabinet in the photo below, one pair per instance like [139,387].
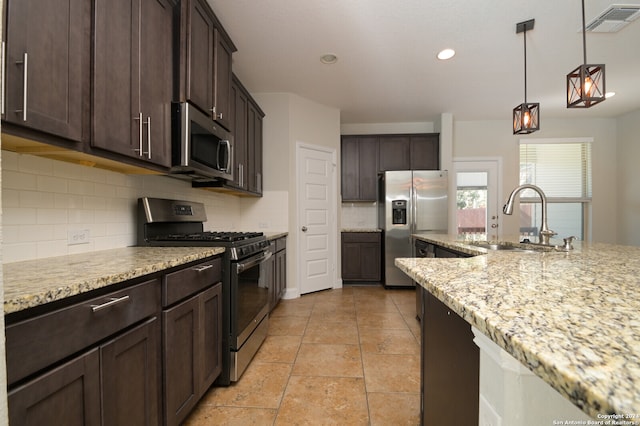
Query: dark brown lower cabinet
[67,395]
[361,256]
[450,367]
[192,351]
[123,373]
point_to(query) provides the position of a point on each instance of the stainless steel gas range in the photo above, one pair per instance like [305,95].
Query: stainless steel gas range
[163,222]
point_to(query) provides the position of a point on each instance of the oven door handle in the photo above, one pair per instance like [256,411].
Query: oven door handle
[253,261]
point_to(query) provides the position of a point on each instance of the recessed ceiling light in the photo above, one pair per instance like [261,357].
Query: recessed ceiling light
[445,54]
[329,59]
[609,95]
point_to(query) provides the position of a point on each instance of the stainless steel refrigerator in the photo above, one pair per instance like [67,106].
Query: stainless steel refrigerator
[409,202]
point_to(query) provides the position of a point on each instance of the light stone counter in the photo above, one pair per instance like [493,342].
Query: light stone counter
[36,282]
[573,318]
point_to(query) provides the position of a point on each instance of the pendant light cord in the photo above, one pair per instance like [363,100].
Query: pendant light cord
[584,35]
[525,65]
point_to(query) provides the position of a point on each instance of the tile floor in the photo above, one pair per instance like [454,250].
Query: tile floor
[347,356]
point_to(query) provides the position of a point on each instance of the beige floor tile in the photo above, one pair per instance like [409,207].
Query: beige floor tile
[390,320]
[384,341]
[279,349]
[397,409]
[206,415]
[262,385]
[346,316]
[331,332]
[287,326]
[290,308]
[315,359]
[325,401]
[391,373]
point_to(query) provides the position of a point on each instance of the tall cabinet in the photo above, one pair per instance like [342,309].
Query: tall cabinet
[132,78]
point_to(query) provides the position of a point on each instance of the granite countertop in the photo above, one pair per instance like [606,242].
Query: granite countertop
[573,318]
[275,235]
[35,282]
[361,230]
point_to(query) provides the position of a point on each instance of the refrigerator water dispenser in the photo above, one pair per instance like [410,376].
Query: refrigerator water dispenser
[399,212]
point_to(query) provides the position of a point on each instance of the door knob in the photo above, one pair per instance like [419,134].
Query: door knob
[304,229]
[494,225]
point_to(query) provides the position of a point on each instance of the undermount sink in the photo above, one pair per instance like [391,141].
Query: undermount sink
[505,246]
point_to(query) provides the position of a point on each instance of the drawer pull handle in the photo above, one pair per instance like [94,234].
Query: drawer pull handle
[112,301]
[202,268]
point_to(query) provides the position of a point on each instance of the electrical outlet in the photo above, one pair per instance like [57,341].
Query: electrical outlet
[78,236]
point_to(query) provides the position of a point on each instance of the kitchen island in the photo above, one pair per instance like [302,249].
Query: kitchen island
[570,317]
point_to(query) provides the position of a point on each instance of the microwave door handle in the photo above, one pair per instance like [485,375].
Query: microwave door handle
[227,166]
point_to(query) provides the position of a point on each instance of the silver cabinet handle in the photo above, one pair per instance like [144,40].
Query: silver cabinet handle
[25,63]
[140,123]
[148,123]
[112,301]
[202,268]
[2,76]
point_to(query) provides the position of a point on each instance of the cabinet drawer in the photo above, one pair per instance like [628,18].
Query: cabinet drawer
[361,237]
[41,341]
[185,282]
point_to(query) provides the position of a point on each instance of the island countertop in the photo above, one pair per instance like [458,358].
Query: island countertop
[573,318]
[32,283]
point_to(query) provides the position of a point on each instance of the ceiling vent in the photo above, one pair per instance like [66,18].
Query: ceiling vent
[613,19]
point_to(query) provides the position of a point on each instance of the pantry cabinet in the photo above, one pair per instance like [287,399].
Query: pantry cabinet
[47,65]
[132,79]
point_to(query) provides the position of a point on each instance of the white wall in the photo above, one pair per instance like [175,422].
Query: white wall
[496,139]
[628,174]
[290,119]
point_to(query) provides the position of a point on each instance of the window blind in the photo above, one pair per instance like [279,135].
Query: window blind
[561,170]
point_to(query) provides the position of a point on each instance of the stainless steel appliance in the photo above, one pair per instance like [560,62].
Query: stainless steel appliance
[201,150]
[245,292]
[409,202]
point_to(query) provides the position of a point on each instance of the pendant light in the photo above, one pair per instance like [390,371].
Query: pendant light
[585,84]
[526,116]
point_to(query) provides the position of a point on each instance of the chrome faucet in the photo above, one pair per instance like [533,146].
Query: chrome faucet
[545,232]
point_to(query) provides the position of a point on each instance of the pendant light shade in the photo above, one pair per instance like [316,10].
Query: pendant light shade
[526,116]
[586,83]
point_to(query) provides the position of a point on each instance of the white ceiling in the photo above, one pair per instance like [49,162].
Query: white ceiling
[387,69]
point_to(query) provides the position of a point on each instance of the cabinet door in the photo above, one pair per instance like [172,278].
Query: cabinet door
[222,82]
[200,48]
[48,58]
[211,336]
[370,257]
[350,166]
[281,273]
[351,256]
[132,78]
[368,168]
[131,377]
[240,102]
[254,149]
[450,366]
[156,79]
[395,153]
[425,152]
[181,331]
[68,395]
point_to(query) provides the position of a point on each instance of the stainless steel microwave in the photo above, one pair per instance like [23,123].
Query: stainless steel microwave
[201,150]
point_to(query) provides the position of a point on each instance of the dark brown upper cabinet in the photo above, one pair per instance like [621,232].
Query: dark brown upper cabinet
[133,79]
[205,61]
[48,65]
[359,164]
[410,152]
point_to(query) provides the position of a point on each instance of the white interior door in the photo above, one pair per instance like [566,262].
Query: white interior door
[317,228]
[477,206]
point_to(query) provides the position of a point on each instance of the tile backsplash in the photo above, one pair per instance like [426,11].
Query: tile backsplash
[359,215]
[53,208]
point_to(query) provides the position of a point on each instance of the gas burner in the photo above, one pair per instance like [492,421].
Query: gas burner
[210,236]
